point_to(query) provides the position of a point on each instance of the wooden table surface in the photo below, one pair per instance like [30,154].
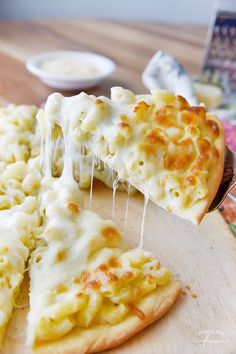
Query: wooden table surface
[130,44]
[209,249]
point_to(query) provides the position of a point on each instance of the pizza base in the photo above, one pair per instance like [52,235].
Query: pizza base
[103,337]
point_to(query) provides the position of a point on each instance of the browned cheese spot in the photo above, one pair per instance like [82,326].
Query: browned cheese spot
[213,128]
[73,207]
[149,278]
[79,295]
[200,111]
[193,130]
[166,116]
[182,157]
[61,255]
[123,125]
[93,284]
[99,101]
[189,118]
[153,141]
[128,275]
[125,129]
[111,277]
[178,161]
[101,104]
[114,262]
[110,233]
[140,110]
[203,145]
[102,268]
[180,103]
[190,181]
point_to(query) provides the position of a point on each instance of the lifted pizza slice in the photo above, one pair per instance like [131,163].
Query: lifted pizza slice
[172,152]
[89,291]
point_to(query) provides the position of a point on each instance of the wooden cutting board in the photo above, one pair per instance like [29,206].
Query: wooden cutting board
[202,257]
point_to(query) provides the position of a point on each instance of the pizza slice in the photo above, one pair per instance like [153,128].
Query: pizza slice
[88,290]
[16,238]
[172,152]
[19,219]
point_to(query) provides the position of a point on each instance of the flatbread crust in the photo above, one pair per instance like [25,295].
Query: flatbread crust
[102,337]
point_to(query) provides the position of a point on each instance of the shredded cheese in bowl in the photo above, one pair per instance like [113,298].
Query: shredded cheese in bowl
[69,66]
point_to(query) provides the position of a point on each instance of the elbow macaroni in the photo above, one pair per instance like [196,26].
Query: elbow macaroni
[93,278]
[153,141]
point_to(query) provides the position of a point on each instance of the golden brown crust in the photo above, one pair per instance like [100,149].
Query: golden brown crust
[103,337]
[218,170]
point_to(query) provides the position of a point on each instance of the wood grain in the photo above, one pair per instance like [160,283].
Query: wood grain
[204,257]
[130,44]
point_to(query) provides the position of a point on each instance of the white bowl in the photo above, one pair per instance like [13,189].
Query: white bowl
[104,66]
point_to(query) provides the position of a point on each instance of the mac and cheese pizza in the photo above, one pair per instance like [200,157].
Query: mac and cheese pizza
[89,291]
[170,151]
[19,216]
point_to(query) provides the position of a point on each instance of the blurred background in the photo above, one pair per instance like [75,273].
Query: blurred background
[195,12]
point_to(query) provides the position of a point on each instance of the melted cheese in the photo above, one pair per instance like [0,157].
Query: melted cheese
[158,143]
[126,209]
[114,186]
[19,218]
[143,222]
[83,158]
[93,277]
[17,226]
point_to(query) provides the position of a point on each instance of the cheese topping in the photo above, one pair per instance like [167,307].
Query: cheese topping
[158,143]
[19,217]
[16,238]
[93,277]
[83,274]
